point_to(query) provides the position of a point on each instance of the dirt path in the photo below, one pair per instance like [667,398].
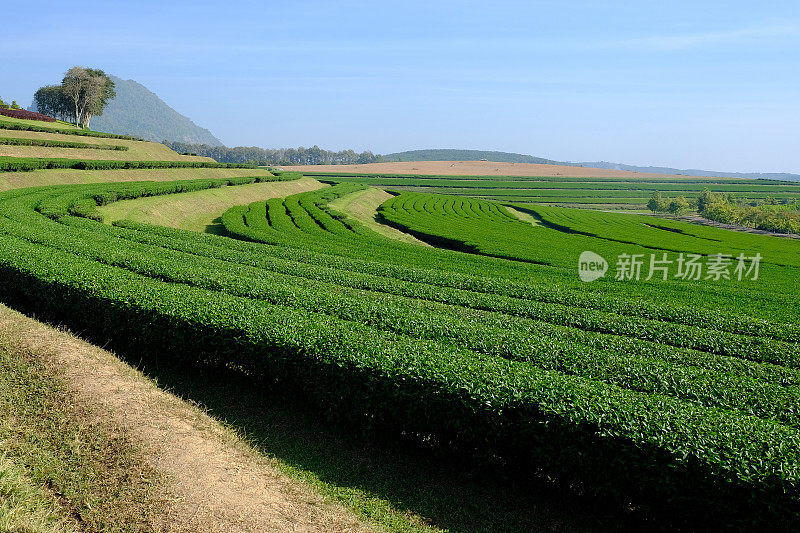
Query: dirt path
[362,205]
[217,483]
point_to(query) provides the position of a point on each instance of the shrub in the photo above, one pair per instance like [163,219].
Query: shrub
[14,141]
[64,131]
[16,112]
[678,205]
[20,164]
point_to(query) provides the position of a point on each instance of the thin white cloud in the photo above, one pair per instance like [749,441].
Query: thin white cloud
[700,40]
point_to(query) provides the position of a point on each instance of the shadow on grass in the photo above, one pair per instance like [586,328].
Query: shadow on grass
[216,227]
[399,488]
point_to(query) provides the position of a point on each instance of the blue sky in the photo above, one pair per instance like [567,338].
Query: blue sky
[712,85]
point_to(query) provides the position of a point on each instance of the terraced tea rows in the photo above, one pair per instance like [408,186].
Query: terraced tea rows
[563,234]
[564,190]
[616,386]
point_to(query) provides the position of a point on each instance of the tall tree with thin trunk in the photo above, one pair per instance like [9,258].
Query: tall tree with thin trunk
[104,92]
[89,91]
[74,85]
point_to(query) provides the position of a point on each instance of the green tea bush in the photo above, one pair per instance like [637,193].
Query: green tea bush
[22,164]
[13,141]
[6,125]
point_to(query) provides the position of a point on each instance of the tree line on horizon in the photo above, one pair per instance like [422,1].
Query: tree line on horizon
[280,156]
[778,216]
[82,94]
[12,105]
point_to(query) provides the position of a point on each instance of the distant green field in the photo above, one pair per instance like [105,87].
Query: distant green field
[622,192]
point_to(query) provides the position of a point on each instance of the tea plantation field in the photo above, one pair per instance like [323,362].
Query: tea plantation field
[627,193]
[671,352]
[672,381]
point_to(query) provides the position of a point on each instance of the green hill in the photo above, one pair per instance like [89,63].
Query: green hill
[139,112]
[465,155]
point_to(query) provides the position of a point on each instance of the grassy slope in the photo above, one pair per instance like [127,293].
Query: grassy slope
[15,180]
[137,150]
[362,205]
[57,124]
[61,471]
[196,211]
[25,506]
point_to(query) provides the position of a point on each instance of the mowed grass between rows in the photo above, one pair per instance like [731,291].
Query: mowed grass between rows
[363,205]
[198,210]
[137,150]
[58,124]
[38,178]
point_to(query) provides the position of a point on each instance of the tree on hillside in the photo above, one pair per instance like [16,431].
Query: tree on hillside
[107,93]
[50,100]
[88,92]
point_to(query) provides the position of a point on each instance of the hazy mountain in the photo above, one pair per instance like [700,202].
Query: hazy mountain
[508,157]
[139,112]
[691,171]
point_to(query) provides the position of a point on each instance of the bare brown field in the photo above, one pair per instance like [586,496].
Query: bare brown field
[481,168]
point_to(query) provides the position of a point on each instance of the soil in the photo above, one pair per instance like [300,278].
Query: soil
[215,481]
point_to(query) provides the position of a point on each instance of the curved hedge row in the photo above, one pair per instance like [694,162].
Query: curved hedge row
[560,190]
[293,222]
[424,351]
[23,164]
[16,141]
[6,125]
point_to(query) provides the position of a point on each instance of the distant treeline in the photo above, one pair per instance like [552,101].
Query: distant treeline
[447,154]
[770,215]
[281,156]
